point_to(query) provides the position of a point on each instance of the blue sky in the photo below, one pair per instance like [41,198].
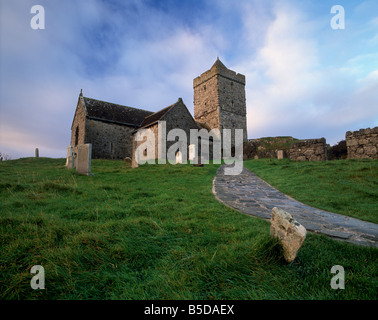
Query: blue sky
[304,79]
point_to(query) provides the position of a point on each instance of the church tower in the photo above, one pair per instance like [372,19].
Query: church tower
[219,99]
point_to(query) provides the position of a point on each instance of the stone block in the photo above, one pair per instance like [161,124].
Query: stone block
[69,154]
[84,157]
[288,231]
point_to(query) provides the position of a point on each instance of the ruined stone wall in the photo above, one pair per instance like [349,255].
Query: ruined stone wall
[362,144]
[109,140]
[309,150]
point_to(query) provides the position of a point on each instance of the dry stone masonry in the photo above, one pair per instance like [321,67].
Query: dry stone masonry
[362,144]
[309,150]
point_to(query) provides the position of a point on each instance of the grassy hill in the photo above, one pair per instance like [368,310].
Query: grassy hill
[348,187]
[155,232]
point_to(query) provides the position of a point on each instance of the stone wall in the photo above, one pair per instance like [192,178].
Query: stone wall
[309,150]
[362,144]
[109,140]
[78,125]
[206,101]
[268,147]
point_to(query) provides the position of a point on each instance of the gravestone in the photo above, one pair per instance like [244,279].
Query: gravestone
[84,157]
[70,162]
[280,154]
[192,151]
[36,153]
[69,154]
[288,231]
[178,157]
[128,160]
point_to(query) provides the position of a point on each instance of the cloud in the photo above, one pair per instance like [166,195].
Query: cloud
[292,91]
[146,54]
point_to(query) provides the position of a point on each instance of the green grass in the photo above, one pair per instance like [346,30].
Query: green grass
[155,232]
[348,187]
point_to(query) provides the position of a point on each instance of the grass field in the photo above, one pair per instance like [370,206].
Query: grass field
[156,232]
[348,187]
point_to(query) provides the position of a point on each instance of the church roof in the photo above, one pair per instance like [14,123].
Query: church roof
[115,113]
[155,117]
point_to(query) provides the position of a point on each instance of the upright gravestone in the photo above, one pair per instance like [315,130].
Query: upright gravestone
[84,157]
[280,154]
[192,152]
[69,154]
[70,162]
[178,157]
[36,153]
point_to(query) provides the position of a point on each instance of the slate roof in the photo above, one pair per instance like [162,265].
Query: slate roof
[155,117]
[115,113]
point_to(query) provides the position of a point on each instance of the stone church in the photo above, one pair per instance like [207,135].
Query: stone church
[219,103]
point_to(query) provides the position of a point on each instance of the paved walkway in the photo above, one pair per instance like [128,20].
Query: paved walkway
[251,195]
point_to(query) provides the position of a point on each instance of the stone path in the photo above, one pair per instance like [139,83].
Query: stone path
[249,194]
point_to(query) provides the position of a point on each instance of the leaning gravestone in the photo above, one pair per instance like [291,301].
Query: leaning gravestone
[84,157]
[288,231]
[69,154]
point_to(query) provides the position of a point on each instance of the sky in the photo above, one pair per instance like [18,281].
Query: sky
[303,78]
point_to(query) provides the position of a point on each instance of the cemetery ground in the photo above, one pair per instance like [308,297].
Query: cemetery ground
[157,232]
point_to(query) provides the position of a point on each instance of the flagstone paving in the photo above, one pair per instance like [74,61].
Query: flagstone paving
[250,194]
